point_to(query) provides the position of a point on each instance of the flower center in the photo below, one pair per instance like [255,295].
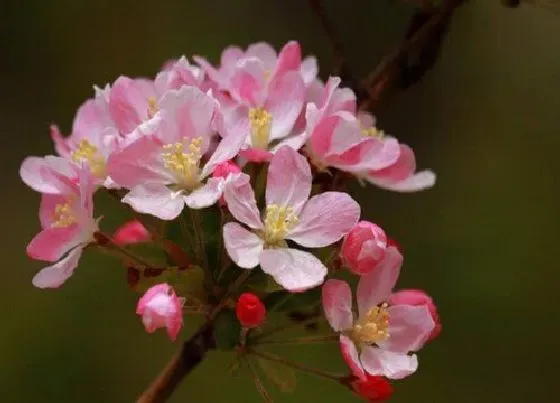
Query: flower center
[63,216]
[260,121]
[373,132]
[90,153]
[152,107]
[372,328]
[184,165]
[277,222]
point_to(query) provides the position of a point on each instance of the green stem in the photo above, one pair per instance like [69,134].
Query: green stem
[106,241]
[303,340]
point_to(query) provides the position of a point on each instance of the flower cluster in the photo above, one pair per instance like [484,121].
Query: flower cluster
[246,141]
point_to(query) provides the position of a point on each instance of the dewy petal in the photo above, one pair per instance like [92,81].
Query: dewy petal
[351,356]
[243,246]
[293,269]
[206,195]
[52,243]
[285,102]
[388,364]
[241,202]
[325,219]
[155,199]
[409,327]
[289,179]
[376,287]
[337,304]
[54,276]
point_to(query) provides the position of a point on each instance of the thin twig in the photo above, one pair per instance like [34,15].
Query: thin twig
[301,340]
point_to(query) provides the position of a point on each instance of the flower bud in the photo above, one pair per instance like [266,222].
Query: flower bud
[160,307]
[363,247]
[224,169]
[418,298]
[250,310]
[130,232]
[372,388]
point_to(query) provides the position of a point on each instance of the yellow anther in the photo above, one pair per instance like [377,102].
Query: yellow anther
[152,107]
[261,122]
[277,222]
[373,132]
[267,74]
[63,216]
[184,165]
[373,327]
[90,153]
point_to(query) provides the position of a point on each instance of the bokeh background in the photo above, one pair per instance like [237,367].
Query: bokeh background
[483,242]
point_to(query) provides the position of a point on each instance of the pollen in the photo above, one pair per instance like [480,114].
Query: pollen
[63,216]
[90,153]
[372,328]
[152,107]
[261,122]
[183,160]
[277,222]
[373,132]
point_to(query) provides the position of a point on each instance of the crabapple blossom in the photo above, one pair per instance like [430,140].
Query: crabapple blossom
[161,307]
[379,340]
[363,248]
[289,215]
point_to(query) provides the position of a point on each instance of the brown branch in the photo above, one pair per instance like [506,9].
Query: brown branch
[191,354]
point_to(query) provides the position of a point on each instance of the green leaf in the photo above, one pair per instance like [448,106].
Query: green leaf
[227,330]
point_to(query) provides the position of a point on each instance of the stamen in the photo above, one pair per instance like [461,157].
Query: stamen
[373,132]
[184,165]
[278,221]
[261,122]
[90,153]
[373,327]
[152,107]
[63,216]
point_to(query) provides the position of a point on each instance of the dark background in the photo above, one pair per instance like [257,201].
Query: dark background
[483,241]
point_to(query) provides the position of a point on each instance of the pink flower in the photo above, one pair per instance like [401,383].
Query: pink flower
[379,340]
[363,248]
[335,137]
[163,169]
[160,307]
[250,310]
[418,298]
[314,223]
[68,226]
[130,232]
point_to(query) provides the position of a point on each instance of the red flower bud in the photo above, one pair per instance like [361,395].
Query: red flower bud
[250,310]
[372,388]
[418,298]
[363,248]
[131,232]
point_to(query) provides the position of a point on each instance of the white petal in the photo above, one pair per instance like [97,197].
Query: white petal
[54,276]
[155,199]
[206,195]
[385,363]
[241,202]
[243,246]
[337,304]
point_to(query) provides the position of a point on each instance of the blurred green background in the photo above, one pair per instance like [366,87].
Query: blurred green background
[483,242]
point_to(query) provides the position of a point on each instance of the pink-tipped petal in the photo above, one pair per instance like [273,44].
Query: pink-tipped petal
[206,195]
[241,202]
[243,246]
[289,58]
[351,356]
[227,149]
[54,276]
[52,243]
[289,179]
[337,304]
[388,364]
[293,269]
[409,328]
[375,287]
[128,105]
[419,181]
[155,199]
[325,219]
[33,173]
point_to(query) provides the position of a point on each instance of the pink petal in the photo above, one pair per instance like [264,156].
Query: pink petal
[249,82]
[337,304]
[256,155]
[409,328]
[214,74]
[375,287]
[33,173]
[264,52]
[289,179]
[351,356]
[243,246]
[325,219]
[48,205]
[296,142]
[128,104]
[149,295]
[52,243]
[308,70]
[227,149]
[419,181]
[54,276]
[60,143]
[322,133]
[293,269]
[289,58]
[388,364]
[206,195]
[241,202]
[155,199]
[92,117]
[285,103]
